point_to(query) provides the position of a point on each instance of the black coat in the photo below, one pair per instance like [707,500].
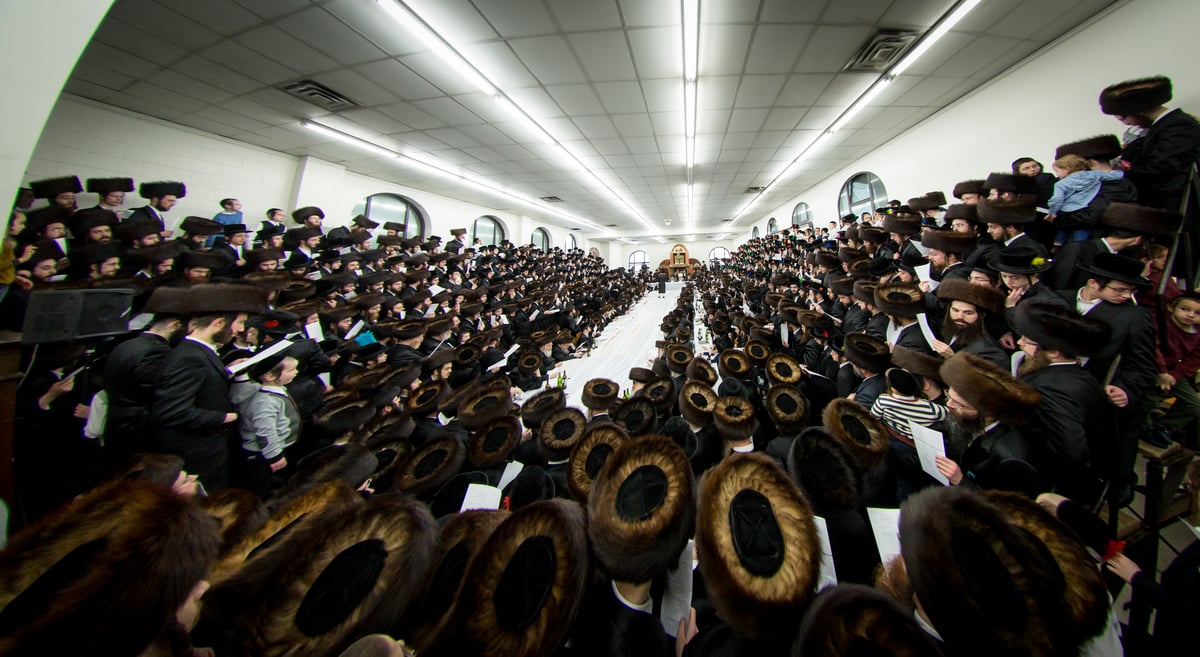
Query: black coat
[869,390]
[1132,339]
[911,338]
[130,376]
[877,326]
[1001,459]
[607,628]
[854,320]
[986,346]
[1066,274]
[189,409]
[145,214]
[402,355]
[1073,417]
[1161,159]
[1025,239]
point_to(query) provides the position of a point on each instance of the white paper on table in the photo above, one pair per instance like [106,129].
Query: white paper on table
[885,524]
[828,576]
[314,331]
[923,323]
[930,445]
[677,599]
[923,271]
[481,496]
[511,470]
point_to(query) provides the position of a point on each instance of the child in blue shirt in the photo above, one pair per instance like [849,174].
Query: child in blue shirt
[1076,187]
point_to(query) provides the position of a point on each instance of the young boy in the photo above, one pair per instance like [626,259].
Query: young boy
[268,422]
[1076,187]
[901,403]
[1178,359]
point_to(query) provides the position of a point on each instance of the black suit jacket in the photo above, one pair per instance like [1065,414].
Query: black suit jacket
[189,408]
[1160,161]
[1073,417]
[1066,274]
[130,375]
[144,214]
[1025,240]
[1132,339]
[1000,459]
[911,338]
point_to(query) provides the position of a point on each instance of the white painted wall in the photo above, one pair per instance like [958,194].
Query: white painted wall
[90,139]
[1028,111]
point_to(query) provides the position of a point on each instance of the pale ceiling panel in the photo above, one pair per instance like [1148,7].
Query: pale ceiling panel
[370,20]
[639,13]
[633,125]
[712,120]
[458,20]
[759,90]
[576,16]
[270,41]
[621,97]
[747,120]
[604,55]
[723,49]
[790,11]
[775,48]
[550,60]
[855,13]
[496,61]
[576,99]
[234,55]
[355,86]
[829,49]
[319,30]
[658,52]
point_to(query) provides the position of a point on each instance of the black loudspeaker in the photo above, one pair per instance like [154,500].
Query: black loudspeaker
[62,315]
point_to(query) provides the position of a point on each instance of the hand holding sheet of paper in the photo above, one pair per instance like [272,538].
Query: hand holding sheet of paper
[930,445]
[885,525]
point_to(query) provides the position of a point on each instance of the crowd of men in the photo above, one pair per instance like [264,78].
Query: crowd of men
[345,440]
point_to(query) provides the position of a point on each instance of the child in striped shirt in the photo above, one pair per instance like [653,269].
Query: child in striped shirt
[901,403]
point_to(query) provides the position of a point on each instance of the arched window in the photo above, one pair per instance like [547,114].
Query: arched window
[863,192]
[754,233]
[393,208]
[637,260]
[488,231]
[540,239]
[801,214]
[570,243]
[772,226]
[718,253]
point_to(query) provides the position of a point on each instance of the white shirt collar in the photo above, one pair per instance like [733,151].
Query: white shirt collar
[1084,307]
[1009,242]
[210,347]
[647,606]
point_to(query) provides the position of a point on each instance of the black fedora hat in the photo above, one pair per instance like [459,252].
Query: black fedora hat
[1019,260]
[1118,268]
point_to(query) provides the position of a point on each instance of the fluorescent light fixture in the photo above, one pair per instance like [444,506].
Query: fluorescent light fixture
[691,216]
[690,21]
[447,55]
[350,139]
[934,35]
[691,38]
[526,122]
[863,100]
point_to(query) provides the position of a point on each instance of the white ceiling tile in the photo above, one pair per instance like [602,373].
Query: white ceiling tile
[783,118]
[831,47]
[371,21]
[986,14]
[486,134]
[604,55]
[790,11]
[732,157]
[234,55]
[845,88]
[596,127]
[411,115]
[88,89]
[217,75]
[453,137]
[419,141]
[576,99]
[664,95]
[273,8]
[771,138]
[621,97]
[549,59]
[633,125]
[376,121]
[576,16]
[218,113]
[151,16]
[716,92]
[270,41]
[803,90]
[747,120]
[457,20]
[667,123]
[742,11]
[224,16]
[250,106]
[774,48]
[1068,20]
[641,145]
[759,90]
[356,87]
[819,117]
[447,110]
[517,18]
[562,129]
[138,42]
[398,80]
[285,104]
[431,67]
[318,29]
[148,93]
[658,52]
[496,61]
[1013,56]
[915,13]
[101,76]
[928,90]
[723,49]
[189,87]
[712,120]
[1016,22]
[857,12]
[736,140]
[639,13]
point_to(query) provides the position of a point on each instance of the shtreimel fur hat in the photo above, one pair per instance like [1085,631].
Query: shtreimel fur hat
[1135,96]
[989,389]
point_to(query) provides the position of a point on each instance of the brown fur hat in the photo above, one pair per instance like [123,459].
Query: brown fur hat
[980,296]
[837,284]
[640,509]
[661,392]
[825,470]
[491,444]
[105,573]
[678,357]
[1009,182]
[641,375]
[733,364]
[1135,96]
[1100,147]
[538,407]
[948,241]
[967,187]
[636,414]
[985,585]
[902,224]
[458,545]
[344,416]
[430,466]
[872,234]
[701,370]
[427,398]
[218,298]
[782,368]
[757,351]
[900,299]
[104,186]
[851,619]
[696,403]
[862,433]
[1142,219]
[300,214]
[1016,212]
[788,408]
[303,507]
[864,291]
[1085,596]
[490,403]
[867,352]
[239,511]
[734,418]
[991,390]
[590,454]
[600,394]
[915,362]
[327,583]
[757,545]
[1062,329]
[522,593]
[352,463]
[970,213]
[51,187]
[560,432]
[829,260]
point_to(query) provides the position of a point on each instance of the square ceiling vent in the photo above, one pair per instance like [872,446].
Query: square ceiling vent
[318,94]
